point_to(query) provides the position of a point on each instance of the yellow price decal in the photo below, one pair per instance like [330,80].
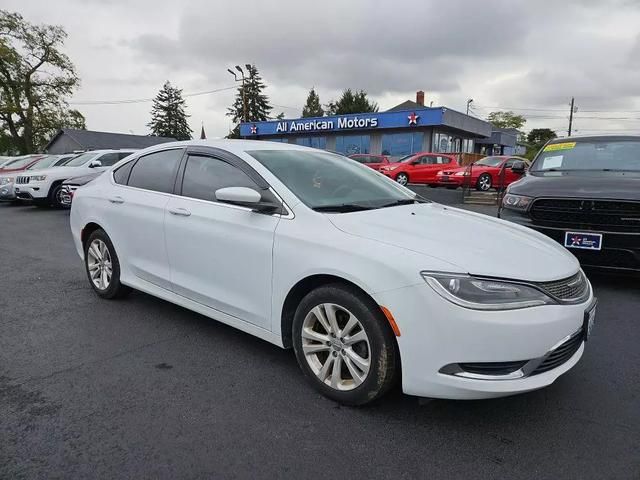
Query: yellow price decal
[559,146]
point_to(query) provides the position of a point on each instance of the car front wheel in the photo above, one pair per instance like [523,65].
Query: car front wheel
[344,345]
[402,178]
[103,266]
[484,182]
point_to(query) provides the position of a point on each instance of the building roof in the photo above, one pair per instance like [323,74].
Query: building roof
[91,140]
[406,105]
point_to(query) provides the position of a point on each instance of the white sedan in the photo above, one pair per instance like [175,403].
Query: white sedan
[366,281]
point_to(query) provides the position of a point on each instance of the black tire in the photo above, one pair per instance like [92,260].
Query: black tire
[402,178]
[484,182]
[54,196]
[115,289]
[382,349]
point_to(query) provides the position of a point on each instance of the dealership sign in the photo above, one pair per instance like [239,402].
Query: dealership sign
[343,123]
[338,123]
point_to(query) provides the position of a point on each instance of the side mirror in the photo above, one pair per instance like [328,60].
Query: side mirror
[518,167]
[245,197]
[95,163]
[415,162]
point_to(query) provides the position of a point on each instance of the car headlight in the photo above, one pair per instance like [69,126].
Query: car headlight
[516,202]
[460,174]
[38,178]
[392,168]
[6,180]
[485,294]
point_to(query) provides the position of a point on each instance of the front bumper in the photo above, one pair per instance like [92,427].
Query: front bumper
[620,250]
[30,192]
[7,192]
[436,334]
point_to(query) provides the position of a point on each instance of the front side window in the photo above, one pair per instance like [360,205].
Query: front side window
[321,179]
[204,175]
[156,171]
[109,159]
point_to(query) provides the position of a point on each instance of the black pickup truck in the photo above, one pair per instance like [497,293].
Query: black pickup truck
[583,192]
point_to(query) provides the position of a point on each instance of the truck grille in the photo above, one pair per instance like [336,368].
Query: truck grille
[611,215]
[22,180]
[573,288]
[561,354]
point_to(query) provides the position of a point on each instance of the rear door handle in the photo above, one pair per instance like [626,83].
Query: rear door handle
[183,212]
[116,200]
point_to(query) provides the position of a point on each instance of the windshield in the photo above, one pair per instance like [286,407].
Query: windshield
[405,159]
[321,179]
[621,155]
[81,159]
[490,161]
[44,163]
[19,163]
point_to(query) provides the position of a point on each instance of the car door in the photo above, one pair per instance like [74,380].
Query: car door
[434,164]
[221,254]
[419,169]
[136,213]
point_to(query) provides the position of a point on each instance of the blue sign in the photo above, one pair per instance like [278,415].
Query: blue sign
[339,123]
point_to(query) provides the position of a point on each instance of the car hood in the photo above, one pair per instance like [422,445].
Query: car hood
[83,179]
[63,172]
[472,242]
[394,164]
[607,185]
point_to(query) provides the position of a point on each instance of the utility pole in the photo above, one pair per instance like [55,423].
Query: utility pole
[244,94]
[571,115]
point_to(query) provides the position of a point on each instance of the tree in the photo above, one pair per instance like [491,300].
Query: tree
[258,107]
[35,79]
[168,116]
[506,120]
[351,102]
[312,107]
[539,136]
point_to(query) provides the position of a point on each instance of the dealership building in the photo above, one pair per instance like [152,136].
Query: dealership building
[407,128]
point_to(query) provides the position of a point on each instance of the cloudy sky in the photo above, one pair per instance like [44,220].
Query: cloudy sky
[528,56]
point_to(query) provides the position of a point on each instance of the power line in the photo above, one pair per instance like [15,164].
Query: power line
[553,109]
[145,100]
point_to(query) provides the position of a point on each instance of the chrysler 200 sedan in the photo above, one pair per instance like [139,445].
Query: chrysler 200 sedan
[366,281]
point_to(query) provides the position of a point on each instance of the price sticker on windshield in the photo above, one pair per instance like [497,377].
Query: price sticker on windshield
[554,147]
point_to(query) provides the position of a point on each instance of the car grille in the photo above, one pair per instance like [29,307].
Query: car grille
[612,215]
[22,180]
[568,289]
[561,354]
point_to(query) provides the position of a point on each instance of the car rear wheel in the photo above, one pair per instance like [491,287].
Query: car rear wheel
[484,182]
[344,345]
[402,178]
[103,267]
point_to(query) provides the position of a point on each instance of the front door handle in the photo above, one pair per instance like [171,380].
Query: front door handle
[116,200]
[182,212]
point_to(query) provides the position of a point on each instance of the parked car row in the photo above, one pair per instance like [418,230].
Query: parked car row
[40,179]
[443,170]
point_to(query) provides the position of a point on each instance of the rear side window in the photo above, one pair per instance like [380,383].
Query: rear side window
[204,175]
[121,175]
[156,171]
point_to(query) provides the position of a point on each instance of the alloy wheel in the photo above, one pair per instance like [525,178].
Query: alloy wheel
[402,179]
[336,346]
[99,264]
[484,182]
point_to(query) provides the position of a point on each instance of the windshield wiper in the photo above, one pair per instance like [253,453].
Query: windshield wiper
[404,201]
[342,208]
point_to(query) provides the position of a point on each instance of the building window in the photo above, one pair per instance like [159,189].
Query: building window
[401,144]
[467,145]
[313,142]
[350,144]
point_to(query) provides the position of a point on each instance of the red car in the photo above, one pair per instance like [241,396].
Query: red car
[371,160]
[20,163]
[485,173]
[419,167]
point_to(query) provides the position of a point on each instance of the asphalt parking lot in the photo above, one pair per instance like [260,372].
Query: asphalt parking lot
[140,388]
